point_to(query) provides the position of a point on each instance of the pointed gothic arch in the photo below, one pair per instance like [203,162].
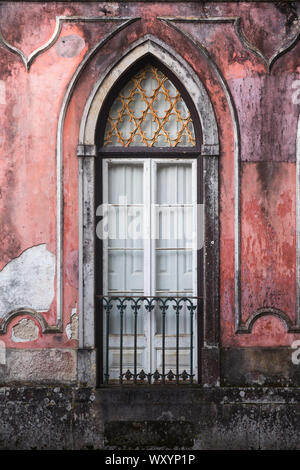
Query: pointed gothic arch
[87,151]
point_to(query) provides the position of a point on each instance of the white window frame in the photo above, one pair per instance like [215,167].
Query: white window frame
[149,196]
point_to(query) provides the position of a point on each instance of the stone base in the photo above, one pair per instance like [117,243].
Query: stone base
[141,417]
[267,367]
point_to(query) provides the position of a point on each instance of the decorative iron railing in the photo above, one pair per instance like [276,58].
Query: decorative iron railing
[165,308]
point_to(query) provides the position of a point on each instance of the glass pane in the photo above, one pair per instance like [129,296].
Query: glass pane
[125,242]
[125,278]
[173,271]
[125,205]
[125,227]
[174,183]
[174,211]
[125,270]
[174,256]
[125,184]
[149,112]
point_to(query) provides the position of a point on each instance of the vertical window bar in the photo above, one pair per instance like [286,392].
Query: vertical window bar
[107,308]
[148,261]
[135,343]
[135,308]
[191,346]
[177,307]
[191,308]
[164,307]
[121,307]
[163,345]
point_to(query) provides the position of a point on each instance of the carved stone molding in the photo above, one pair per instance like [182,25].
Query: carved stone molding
[28,60]
[236,22]
[21,312]
[210,150]
[84,150]
[267,311]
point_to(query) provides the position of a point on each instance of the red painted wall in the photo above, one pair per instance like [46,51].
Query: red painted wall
[265,99]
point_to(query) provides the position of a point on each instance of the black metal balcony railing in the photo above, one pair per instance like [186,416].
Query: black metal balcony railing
[163,305]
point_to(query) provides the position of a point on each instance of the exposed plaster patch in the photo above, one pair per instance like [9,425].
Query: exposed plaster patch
[2,92]
[70,46]
[72,327]
[25,330]
[40,365]
[28,281]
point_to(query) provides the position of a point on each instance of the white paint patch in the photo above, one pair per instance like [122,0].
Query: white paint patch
[69,331]
[72,327]
[28,281]
[2,353]
[2,92]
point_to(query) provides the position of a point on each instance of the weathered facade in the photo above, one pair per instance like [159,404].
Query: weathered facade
[239,65]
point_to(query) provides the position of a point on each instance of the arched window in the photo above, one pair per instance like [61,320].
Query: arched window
[149,112]
[149,192]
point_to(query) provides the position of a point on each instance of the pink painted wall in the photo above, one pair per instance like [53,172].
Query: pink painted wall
[267,115]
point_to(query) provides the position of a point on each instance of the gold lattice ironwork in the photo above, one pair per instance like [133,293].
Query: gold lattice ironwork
[149,111]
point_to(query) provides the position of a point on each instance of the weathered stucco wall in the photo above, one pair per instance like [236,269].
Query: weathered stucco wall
[248,58]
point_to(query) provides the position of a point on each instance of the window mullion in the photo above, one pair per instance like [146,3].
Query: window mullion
[153,234]
[105,209]
[197,226]
[154,228]
[147,258]
[147,228]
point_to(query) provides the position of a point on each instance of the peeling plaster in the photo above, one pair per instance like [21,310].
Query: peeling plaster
[25,330]
[72,327]
[28,281]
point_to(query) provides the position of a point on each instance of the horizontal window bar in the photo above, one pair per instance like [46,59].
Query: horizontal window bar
[122,292]
[174,249]
[125,249]
[174,205]
[146,296]
[123,205]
